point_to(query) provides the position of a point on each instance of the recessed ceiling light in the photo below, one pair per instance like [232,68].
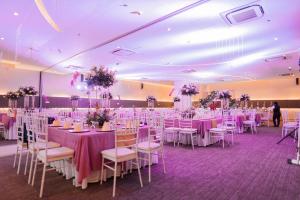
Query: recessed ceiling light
[2,38]
[136,12]
[16,14]
[169,29]
[275,38]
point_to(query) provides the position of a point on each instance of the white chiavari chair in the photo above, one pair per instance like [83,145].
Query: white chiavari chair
[22,143]
[187,130]
[171,129]
[125,150]
[251,123]
[33,145]
[218,134]
[47,155]
[152,146]
[287,125]
[265,118]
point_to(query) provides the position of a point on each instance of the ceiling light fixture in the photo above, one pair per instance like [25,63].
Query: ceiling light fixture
[275,38]
[169,29]
[136,12]
[2,38]
[16,14]
[40,5]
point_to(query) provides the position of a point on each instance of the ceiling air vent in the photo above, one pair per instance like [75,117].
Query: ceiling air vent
[276,58]
[243,14]
[122,52]
[73,67]
[187,71]
[286,74]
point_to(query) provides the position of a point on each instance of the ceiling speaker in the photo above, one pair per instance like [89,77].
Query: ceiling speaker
[142,86]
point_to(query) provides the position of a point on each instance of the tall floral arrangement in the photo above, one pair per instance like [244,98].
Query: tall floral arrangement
[176,99]
[245,97]
[151,99]
[189,90]
[205,102]
[14,95]
[99,116]
[100,76]
[75,97]
[28,91]
[224,94]
[107,95]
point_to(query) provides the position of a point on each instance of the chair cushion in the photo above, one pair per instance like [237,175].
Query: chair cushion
[216,130]
[148,146]
[172,129]
[121,153]
[290,124]
[42,145]
[248,122]
[188,130]
[56,153]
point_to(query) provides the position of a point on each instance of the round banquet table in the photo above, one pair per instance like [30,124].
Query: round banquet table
[87,147]
[202,126]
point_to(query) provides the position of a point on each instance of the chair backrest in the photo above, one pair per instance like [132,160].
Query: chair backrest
[20,127]
[186,123]
[169,123]
[127,137]
[30,128]
[41,132]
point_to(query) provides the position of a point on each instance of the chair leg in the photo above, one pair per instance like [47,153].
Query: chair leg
[163,160]
[139,171]
[30,169]
[43,180]
[26,163]
[174,139]
[20,159]
[223,142]
[102,167]
[15,159]
[34,171]
[115,179]
[149,167]
[192,140]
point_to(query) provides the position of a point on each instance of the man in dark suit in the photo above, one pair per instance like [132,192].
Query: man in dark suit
[276,114]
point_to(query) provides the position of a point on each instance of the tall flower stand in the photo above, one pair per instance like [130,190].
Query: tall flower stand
[29,101]
[74,104]
[150,104]
[186,102]
[12,103]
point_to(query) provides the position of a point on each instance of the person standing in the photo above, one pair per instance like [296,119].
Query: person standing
[276,114]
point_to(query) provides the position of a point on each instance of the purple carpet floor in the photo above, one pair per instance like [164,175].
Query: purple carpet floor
[255,167]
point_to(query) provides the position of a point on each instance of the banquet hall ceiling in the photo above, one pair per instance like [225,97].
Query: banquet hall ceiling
[188,39]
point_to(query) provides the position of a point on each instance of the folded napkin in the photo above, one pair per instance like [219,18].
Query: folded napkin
[105,126]
[56,122]
[67,124]
[214,123]
[77,127]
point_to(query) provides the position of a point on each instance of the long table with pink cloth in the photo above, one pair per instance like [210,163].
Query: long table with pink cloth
[87,147]
[202,126]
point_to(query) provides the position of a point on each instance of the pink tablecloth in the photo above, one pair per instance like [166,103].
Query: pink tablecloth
[241,118]
[202,125]
[8,121]
[87,147]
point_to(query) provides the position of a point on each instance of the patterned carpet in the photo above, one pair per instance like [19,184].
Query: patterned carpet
[255,167]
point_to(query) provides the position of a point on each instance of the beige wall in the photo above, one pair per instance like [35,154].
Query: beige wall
[59,85]
[284,88]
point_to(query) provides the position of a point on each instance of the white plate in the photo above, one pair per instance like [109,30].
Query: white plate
[99,130]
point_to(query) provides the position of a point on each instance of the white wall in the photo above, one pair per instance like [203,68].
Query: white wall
[12,79]
[59,85]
